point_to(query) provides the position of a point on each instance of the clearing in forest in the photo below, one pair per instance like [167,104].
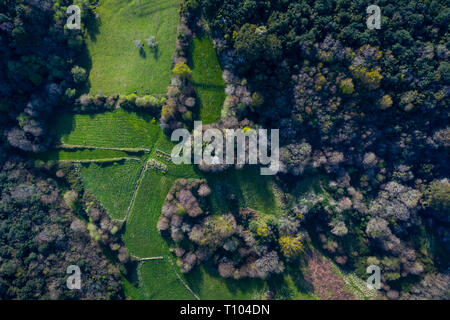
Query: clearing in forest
[161,282]
[141,236]
[117,129]
[207,79]
[113,185]
[116,64]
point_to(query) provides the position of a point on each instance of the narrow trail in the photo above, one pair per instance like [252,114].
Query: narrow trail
[143,169]
[141,279]
[182,281]
[146,258]
[135,191]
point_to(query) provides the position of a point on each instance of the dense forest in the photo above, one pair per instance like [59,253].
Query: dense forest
[368,109]
[43,226]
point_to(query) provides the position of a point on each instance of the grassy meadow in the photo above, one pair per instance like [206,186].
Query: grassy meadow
[113,185]
[141,236]
[207,79]
[110,129]
[161,282]
[117,66]
[81,154]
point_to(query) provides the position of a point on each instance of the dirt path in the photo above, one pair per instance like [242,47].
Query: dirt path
[182,281]
[135,191]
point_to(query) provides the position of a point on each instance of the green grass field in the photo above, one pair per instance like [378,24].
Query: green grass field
[207,79]
[141,236]
[252,190]
[143,239]
[209,285]
[161,282]
[117,65]
[111,129]
[113,185]
[81,155]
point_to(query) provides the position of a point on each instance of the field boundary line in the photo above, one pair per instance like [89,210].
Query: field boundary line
[135,191]
[182,281]
[88,147]
[146,258]
[107,160]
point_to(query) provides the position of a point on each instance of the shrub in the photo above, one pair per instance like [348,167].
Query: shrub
[437,198]
[182,69]
[290,246]
[187,116]
[370,78]
[257,100]
[347,86]
[143,102]
[79,74]
[385,102]
[444,72]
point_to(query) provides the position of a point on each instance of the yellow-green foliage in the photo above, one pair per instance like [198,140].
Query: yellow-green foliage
[166,112]
[182,69]
[320,81]
[347,86]
[260,227]
[147,102]
[370,78]
[290,246]
[385,102]
[437,196]
[93,231]
[216,229]
[181,210]
[246,129]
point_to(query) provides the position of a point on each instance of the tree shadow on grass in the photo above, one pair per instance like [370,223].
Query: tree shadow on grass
[208,86]
[299,280]
[92,26]
[132,274]
[155,52]
[195,280]
[84,60]
[142,53]
[63,127]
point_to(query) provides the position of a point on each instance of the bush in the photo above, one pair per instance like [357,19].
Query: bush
[79,74]
[257,100]
[370,78]
[385,102]
[437,198]
[347,86]
[290,246]
[182,69]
